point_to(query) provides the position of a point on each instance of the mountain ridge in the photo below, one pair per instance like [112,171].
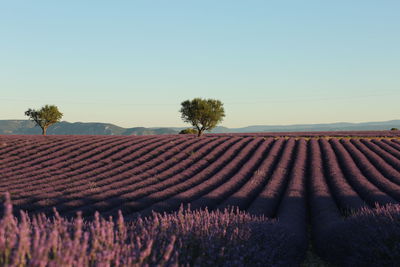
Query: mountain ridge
[8,127]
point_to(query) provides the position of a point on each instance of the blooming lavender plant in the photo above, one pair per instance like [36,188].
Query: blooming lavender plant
[370,237]
[183,238]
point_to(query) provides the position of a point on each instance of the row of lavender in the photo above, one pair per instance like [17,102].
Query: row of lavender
[222,160]
[148,169]
[354,222]
[263,176]
[213,176]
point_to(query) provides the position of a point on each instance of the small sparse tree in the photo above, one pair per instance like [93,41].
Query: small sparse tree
[394,129]
[44,117]
[188,131]
[203,114]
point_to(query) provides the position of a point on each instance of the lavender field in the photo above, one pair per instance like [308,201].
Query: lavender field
[339,195]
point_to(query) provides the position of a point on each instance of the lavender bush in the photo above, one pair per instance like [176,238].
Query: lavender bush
[371,237]
[183,238]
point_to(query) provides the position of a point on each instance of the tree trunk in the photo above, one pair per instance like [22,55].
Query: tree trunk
[199,133]
[44,130]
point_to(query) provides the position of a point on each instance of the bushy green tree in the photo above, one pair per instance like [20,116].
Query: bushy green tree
[203,114]
[44,117]
[394,129]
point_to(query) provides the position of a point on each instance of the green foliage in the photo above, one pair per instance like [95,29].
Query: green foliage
[188,131]
[394,129]
[44,117]
[203,114]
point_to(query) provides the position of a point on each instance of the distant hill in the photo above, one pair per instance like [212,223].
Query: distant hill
[339,126]
[98,128]
[78,128]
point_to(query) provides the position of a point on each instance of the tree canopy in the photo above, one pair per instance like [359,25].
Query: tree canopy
[203,114]
[44,117]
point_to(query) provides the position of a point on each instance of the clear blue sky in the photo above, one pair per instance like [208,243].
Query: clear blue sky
[132,63]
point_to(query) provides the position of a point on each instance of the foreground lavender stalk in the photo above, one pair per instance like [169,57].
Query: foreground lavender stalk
[184,238]
[369,237]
